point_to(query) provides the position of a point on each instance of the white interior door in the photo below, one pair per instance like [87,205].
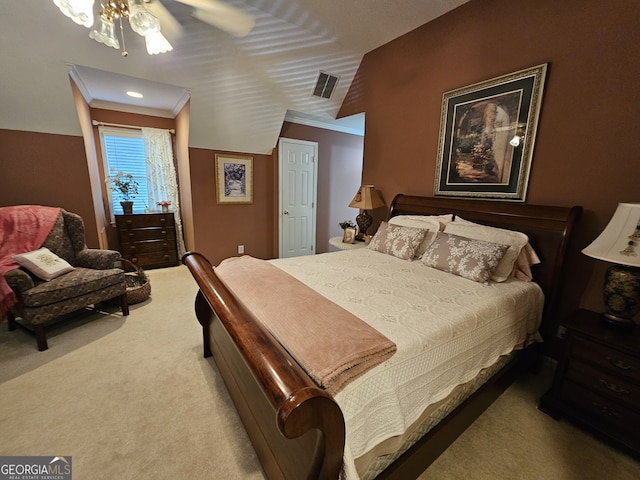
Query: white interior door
[298,167]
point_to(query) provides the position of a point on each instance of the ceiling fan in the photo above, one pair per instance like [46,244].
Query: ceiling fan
[149,18]
[216,13]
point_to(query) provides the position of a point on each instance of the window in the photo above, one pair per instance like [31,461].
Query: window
[123,151]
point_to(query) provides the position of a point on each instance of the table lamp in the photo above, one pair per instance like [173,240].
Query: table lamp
[366,199]
[619,243]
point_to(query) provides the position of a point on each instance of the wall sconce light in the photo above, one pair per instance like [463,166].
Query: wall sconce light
[518,137]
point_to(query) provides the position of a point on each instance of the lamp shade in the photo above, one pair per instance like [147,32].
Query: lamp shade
[619,242]
[367,198]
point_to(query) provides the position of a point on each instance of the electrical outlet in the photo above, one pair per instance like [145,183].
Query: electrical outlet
[240,248]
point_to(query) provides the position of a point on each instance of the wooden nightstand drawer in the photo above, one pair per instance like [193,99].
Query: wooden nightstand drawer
[606,358]
[149,246]
[158,258]
[601,412]
[124,222]
[602,382]
[143,234]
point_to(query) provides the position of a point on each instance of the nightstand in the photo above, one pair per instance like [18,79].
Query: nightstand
[597,383]
[338,243]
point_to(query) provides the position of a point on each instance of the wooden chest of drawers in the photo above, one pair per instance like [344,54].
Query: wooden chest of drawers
[597,383]
[148,240]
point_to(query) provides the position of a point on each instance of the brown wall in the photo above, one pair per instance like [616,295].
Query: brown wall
[586,152]
[339,174]
[219,229]
[45,169]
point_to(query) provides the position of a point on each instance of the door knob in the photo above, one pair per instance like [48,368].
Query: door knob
[286,212]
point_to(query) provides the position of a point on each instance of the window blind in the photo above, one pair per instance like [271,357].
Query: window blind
[123,151]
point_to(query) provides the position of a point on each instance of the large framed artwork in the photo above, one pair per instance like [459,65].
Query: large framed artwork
[487,134]
[234,179]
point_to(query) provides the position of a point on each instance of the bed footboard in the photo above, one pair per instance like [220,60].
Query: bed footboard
[296,428]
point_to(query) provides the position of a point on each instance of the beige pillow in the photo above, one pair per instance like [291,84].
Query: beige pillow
[432,225]
[515,241]
[398,241]
[522,267]
[43,263]
[465,257]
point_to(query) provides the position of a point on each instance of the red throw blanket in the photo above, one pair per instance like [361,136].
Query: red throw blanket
[23,228]
[332,345]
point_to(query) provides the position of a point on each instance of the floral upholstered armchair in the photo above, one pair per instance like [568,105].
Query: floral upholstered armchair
[91,278]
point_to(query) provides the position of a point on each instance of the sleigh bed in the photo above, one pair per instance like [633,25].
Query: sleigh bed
[300,430]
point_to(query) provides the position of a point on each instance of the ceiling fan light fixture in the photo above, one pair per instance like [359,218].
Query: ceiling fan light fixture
[104,32]
[157,43]
[80,11]
[142,21]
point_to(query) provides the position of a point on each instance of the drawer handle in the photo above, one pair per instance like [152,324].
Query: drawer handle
[132,247]
[131,235]
[129,222]
[613,387]
[163,220]
[164,232]
[620,364]
[604,409]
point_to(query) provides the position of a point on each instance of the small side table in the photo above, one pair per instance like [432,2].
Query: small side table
[338,243]
[597,383]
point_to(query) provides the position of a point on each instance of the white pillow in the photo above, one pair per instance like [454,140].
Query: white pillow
[432,225]
[442,219]
[43,263]
[522,267]
[515,240]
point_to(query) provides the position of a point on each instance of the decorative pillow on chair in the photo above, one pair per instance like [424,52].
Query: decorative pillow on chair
[465,257]
[43,263]
[398,241]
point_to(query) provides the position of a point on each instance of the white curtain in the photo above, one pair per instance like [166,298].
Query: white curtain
[161,175]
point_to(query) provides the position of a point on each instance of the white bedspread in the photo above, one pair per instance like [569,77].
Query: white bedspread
[446,328]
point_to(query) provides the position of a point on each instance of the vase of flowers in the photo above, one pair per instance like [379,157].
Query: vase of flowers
[165,206]
[125,184]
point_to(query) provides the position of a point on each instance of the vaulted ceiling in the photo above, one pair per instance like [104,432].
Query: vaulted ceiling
[241,89]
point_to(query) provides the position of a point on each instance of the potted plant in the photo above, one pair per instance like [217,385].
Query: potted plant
[125,184]
[346,224]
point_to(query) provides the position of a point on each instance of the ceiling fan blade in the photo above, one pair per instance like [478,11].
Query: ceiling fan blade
[169,26]
[220,15]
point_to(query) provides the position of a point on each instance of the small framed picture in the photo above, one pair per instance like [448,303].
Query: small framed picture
[349,235]
[234,179]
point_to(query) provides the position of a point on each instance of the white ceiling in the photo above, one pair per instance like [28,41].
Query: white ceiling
[241,89]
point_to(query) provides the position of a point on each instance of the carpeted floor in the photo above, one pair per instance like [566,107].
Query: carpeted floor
[133,398]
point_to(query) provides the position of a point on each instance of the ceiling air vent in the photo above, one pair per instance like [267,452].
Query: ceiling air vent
[325,85]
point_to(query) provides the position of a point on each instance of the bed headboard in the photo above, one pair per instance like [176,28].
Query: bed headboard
[548,228]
